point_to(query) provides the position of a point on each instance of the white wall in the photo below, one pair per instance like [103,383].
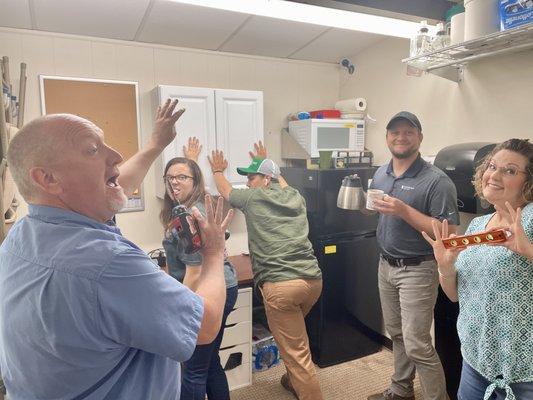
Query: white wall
[493,103]
[287,85]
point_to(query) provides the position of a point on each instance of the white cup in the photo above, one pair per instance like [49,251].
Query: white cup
[371,195]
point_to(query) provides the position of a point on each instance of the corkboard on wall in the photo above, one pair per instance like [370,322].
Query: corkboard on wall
[111,105]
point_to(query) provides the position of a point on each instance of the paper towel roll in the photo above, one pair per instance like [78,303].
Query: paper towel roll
[357,104]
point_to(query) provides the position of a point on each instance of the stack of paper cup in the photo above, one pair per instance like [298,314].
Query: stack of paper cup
[457,30]
[481,18]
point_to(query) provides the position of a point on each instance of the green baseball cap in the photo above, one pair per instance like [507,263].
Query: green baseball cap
[261,166]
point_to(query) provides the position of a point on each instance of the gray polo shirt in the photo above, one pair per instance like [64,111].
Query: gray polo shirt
[423,187]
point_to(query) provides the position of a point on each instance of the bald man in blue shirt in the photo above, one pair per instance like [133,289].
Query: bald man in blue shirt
[84,313]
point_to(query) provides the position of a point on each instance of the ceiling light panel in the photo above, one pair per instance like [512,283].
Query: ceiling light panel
[314,15]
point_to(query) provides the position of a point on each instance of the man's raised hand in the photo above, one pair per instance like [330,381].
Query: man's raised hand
[165,118]
[259,151]
[213,226]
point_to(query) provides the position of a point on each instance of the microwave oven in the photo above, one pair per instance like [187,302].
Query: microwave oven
[316,135]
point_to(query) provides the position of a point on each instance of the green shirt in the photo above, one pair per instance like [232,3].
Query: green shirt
[276,220]
[495,324]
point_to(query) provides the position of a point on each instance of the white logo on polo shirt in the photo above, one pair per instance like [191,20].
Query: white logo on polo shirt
[404,187]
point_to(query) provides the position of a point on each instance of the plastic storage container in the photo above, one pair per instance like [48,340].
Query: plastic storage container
[265,353]
[323,114]
[442,39]
[421,44]
[514,13]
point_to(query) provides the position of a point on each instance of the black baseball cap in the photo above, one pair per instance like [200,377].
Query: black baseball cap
[409,117]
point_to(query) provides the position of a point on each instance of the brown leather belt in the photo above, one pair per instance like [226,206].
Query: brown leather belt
[402,262]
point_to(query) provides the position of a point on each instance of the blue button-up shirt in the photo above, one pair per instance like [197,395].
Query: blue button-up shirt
[84,313]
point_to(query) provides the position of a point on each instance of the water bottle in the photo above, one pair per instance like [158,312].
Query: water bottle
[421,44]
[442,39]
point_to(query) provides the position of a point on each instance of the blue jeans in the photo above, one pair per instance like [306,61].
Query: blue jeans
[203,373]
[473,386]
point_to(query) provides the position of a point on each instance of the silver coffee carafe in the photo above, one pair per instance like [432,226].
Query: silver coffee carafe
[351,195]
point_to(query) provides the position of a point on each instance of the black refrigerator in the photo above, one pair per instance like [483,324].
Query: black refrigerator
[346,322]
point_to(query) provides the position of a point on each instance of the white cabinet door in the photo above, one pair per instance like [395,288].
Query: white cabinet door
[239,124]
[228,120]
[198,120]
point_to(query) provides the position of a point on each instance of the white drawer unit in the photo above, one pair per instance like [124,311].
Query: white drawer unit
[236,334]
[238,315]
[237,364]
[244,299]
[236,347]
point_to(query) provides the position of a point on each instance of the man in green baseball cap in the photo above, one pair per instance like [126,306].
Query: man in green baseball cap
[285,269]
[261,166]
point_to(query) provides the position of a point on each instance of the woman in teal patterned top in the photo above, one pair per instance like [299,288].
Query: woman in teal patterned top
[494,283]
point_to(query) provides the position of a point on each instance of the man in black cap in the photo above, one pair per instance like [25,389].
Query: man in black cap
[416,193]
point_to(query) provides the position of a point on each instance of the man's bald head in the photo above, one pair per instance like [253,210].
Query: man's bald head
[40,143]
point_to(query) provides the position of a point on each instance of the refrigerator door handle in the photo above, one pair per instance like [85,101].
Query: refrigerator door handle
[347,239]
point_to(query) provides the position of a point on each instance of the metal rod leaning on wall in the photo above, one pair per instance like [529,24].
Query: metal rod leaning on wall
[7,80]
[3,166]
[3,131]
[22,95]
[2,214]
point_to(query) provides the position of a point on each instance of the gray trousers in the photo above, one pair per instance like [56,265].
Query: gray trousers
[408,295]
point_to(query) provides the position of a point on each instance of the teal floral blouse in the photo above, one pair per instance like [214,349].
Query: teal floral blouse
[495,324]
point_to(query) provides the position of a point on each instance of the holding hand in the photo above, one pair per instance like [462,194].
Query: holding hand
[259,151]
[213,227]
[217,161]
[193,149]
[165,118]
[445,257]
[518,241]
[389,206]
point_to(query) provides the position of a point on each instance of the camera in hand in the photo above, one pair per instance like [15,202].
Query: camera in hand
[185,229]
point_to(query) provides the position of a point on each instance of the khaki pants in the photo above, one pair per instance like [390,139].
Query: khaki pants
[408,295]
[286,305]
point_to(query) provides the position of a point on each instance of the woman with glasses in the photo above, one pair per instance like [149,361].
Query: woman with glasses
[184,183]
[494,283]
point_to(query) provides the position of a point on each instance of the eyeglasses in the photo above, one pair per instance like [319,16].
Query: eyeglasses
[508,170]
[177,178]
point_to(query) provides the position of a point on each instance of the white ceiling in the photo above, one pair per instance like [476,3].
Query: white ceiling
[175,24]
